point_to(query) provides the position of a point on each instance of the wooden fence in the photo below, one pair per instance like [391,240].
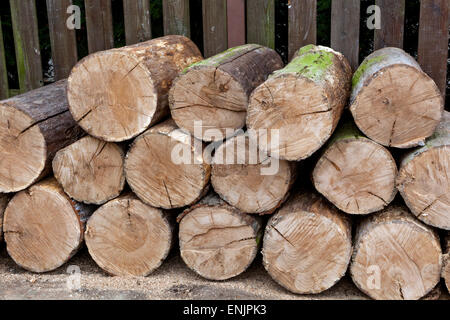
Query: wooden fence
[226,23]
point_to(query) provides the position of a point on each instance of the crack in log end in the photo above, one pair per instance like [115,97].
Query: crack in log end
[38,122]
[167,193]
[281,235]
[333,164]
[377,196]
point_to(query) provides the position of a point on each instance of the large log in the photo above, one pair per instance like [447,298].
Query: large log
[91,170]
[43,227]
[307,245]
[249,181]
[304,101]
[446,264]
[218,241]
[117,94]
[354,173]
[33,127]
[165,167]
[424,178]
[126,237]
[395,256]
[215,91]
[393,101]
[4,199]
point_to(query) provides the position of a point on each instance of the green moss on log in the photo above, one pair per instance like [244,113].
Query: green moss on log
[364,67]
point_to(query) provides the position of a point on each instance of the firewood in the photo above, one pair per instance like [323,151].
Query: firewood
[446,265]
[4,199]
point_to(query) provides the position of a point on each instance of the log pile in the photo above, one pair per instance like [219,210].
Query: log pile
[141,135]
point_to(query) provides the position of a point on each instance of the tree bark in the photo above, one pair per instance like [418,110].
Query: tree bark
[304,101]
[215,91]
[126,237]
[43,227]
[218,241]
[354,173]
[249,181]
[307,244]
[396,256]
[393,101]
[4,199]
[446,265]
[90,170]
[33,127]
[424,178]
[117,94]
[165,167]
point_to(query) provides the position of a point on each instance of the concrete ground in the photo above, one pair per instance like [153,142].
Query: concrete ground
[172,281]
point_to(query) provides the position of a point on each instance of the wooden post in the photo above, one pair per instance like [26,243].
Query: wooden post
[302,24]
[176,17]
[236,22]
[214,27]
[261,22]
[392,24]
[99,25]
[137,21]
[4,87]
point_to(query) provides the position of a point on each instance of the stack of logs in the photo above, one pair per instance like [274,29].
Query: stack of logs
[146,137]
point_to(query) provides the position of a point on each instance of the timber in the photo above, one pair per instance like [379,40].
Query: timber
[4,199]
[117,94]
[354,173]
[396,257]
[126,237]
[33,127]
[218,241]
[257,185]
[91,170]
[215,91]
[165,167]
[304,101]
[43,227]
[446,266]
[393,101]
[307,244]
[424,178]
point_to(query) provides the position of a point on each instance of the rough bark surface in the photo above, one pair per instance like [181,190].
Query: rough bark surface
[117,94]
[4,199]
[446,267]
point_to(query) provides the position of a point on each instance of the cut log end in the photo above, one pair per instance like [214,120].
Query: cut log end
[217,242]
[307,245]
[90,170]
[126,237]
[396,256]
[43,227]
[172,182]
[357,175]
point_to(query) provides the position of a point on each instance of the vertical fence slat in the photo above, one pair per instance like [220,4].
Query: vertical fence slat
[63,39]
[261,22]
[99,25]
[392,24]
[236,22]
[302,24]
[4,88]
[176,17]
[26,41]
[433,40]
[137,21]
[345,16]
[214,26]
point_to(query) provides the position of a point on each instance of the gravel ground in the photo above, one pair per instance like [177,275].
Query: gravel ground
[172,281]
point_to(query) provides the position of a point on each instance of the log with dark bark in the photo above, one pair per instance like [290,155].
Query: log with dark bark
[307,245]
[126,237]
[33,127]
[218,241]
[215,91]
[304,101]
[117,94]
[393,101]
[91,170]
[43,227]
[396,256]
[424,178]
[354,173]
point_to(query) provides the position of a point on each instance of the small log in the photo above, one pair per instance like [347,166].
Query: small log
[165,167]
[247,181]
[424,178]
[395,256]
[4,199]
[33,127]
[393,101]
[446,263]
[307,245]
[218,241]
[91,170]
[304,101]
[43,227]
[356,174]
[126,237]
[215,91]
[117,94]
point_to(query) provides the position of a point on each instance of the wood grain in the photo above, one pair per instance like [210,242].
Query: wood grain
[176,17]
[99,25]
[236,22]
[4,87]
[392,24]
[261,22]
[137,21]
[214,27]
[302,24]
